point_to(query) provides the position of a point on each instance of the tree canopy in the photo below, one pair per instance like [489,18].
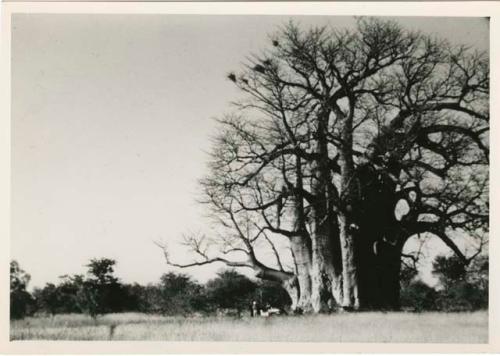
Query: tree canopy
[345,144]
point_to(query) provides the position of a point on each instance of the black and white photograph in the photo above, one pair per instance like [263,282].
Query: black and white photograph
[239,177]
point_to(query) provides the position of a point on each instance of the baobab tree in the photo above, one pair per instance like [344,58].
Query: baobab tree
[344,145]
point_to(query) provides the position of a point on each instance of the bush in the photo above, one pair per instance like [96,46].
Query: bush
[463,296]
[21,304]
[273,294]
[101,291]
[47,299]
[418,296]
[231,290]
[21,301]
[464,287]
[179,294]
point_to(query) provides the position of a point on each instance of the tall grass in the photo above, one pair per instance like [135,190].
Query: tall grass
[355,327]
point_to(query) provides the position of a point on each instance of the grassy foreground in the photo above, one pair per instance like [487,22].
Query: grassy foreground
[356,327]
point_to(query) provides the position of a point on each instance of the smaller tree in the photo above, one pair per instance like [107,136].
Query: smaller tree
[463,286]
[67,291]
[21,301]
[150,299]
[418,296]
[101,271]
[132,295]
[88,299]
[449,270]
[48,298]
[100,291]
[479,274]
[179,294]
[231,290]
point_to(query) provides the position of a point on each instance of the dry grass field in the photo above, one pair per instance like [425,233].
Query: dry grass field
[356,327]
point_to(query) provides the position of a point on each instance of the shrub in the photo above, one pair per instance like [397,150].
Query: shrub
[231,290]
[21,301]
[418,296]
[464,287]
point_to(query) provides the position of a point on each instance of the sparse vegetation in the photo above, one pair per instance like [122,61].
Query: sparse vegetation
[344,327]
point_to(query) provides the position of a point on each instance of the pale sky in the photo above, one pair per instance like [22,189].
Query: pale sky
[111,120]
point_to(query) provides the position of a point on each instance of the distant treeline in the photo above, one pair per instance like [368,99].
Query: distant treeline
[99,292]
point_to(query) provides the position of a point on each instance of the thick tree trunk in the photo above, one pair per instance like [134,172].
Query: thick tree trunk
[326,259]
[350,280]
[350,256]
[363,272]
[301,249]
[348,226]
[371,254]
[378,265]
[325,277]
[292,288]
[323,274]
[301,246]
[378,250]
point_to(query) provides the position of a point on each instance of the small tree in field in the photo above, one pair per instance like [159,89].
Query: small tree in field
[67,293]
[21,301]
[99,293]
[48,298]
[231,290]
[179,295]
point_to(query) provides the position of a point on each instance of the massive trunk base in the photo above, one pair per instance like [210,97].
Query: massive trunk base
[378,275]
[326,290]
[374,285]
[301,249]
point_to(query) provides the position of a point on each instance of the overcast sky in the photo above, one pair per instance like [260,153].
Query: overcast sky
[111,120]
